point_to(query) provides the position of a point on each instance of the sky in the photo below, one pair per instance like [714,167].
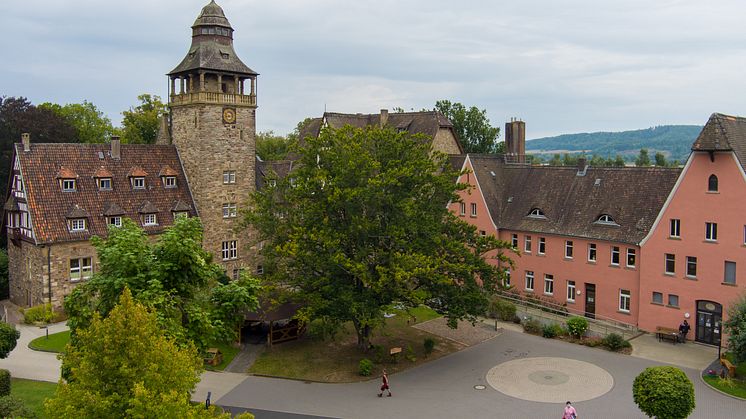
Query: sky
[562,66]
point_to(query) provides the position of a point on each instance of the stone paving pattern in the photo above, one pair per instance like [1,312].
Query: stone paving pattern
[465,334]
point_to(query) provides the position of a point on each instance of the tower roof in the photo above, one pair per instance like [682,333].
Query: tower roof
[212,46]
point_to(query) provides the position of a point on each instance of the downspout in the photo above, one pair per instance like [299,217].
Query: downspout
[49,272]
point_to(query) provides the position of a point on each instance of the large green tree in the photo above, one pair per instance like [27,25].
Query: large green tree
[124,366]
[270,146]
[735,327]
[643,159]
[140,124]
[8,338]
[664,393]
[91,125]
[362,224]
[471,126]
[174,276]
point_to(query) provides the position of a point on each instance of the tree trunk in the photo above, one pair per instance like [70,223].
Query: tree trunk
[363,335]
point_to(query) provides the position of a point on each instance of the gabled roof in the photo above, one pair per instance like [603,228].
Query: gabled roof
[181,206]
[167,171]
[77,212]
[137,171]
[66,173]
[633,196]
[102,172]
[278,168]
[147,207]
[49,205]
[723,133]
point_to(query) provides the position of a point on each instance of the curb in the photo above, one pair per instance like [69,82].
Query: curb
[701,378]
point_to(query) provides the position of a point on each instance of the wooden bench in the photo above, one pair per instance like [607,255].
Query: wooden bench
[730,367]
[666,333]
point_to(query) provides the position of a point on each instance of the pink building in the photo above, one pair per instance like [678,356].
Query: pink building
[642,246]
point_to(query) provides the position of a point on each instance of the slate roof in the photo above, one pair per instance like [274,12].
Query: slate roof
[426,122]
[723,133]
[278,168]
[50,208]
[632,196]
[212,52]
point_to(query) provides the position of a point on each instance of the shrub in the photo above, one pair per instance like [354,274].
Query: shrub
[13,407]
[532,326]
[502,309]
[409,354]
[577,326]
[379,353]
[429,344]
[4,384]
[365,367]
[516,319]
[592,342]
[8,339]
[38,314]
[551,330]
[664,392]
[615,342]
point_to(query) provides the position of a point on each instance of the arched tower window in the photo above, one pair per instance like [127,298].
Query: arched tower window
[712,184]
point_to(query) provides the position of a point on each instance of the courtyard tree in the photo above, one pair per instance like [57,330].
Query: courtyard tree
[472,127]
[362,224]
[174,276]
[8,339]
[140,124]
[735,327]
[91,125]
[123,365]
[664,393]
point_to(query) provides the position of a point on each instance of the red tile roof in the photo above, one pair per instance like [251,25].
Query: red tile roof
[49,206]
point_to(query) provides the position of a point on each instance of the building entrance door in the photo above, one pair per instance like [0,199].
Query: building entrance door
[590,301]
[709,317]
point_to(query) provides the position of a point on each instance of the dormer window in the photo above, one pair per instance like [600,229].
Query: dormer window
[149,220]
[537,213]
[169,181]
[68,185]
[138,183]
[104,184]
[77,224]
[180,214]
[606,219]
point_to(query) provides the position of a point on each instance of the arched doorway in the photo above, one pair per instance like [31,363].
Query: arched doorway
[709,318]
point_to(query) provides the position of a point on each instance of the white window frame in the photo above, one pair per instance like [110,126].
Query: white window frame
[669,258]
[229,177]
[69,185]
[473,209]
[711,231]
[527,244]
[548,284]
[78,224]
[631,252]
[83,270]
[615,252]
[529,281]
[181,214]
[101,185]
[138,183]
[691,261]
[149,219]
[230,210]
[514,240]
[674,229]
[592,252]
[568,249]
[571,291]
[229,250]
[506,279]
[169,181]
[260,269]
[462,208]
[542,249]
[625,301]
[116,221]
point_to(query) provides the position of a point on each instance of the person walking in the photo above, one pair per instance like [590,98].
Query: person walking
[684,330]
[384,384]
[570,412]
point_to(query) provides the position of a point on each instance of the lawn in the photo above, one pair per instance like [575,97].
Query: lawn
[337,360]
[33,393]
[56,342]
[736,386]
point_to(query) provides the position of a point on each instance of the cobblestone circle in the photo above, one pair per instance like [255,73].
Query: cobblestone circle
[550,380]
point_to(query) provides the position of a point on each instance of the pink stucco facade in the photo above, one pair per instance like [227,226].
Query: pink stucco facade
[694,205]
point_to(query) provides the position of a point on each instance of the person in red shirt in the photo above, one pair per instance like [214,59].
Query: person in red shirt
[384,384]
[570,412]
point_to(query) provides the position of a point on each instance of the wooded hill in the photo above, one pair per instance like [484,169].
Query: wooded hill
[674,141]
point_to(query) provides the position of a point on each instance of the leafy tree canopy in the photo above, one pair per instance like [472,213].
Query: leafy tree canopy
[140,124]
[664,393]
[471,126]
[174,276]
[643,159]
[272,147]
[735,327]
[362,224]
[8,339]
[124,366]
[660,159]
[91,125]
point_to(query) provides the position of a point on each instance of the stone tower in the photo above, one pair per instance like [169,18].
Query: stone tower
[212,102]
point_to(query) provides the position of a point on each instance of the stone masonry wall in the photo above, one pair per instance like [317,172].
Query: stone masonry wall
[445,142]
[207,148]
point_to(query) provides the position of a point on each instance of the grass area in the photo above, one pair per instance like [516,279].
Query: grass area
[736,388]
[337,360]
[56,342]
[229,352]
[33,393]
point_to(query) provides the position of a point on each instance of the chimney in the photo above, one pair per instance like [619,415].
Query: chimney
[384,117]
[26,140]
[116,152]
[515,139]
[582,166]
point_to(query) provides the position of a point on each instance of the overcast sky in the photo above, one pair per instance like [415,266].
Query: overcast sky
[563,66]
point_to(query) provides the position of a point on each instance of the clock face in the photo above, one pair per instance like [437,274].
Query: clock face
[229,115]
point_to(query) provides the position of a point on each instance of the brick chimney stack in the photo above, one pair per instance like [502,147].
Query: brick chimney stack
[26,140]
[515,140]
[384,117]
[116,148]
